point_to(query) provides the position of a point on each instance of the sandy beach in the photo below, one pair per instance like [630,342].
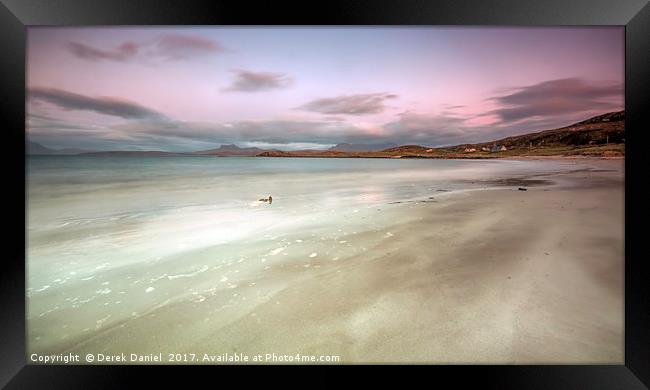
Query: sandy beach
[481,276]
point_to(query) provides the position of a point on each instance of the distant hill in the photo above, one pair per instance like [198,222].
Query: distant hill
[609,117]
[408,149]
[345,147]
[308,153]
[230,151]
[600,130]
[34,148]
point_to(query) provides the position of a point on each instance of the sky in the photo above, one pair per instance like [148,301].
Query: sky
[291,88]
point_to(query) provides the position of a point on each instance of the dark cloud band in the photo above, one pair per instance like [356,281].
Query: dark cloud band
[362,104]
[102,105]
[556,98]
[165,47]
[247,81]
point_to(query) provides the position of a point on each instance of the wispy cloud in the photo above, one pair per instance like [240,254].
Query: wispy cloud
[248,81]
[361,104]
[453,106]
[102,105]
[177,46]
[165,47]
[123,52]
[557,97]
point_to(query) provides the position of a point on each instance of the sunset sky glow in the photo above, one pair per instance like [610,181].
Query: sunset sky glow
[186,89]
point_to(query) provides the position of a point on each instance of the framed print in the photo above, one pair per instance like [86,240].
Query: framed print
[456,186]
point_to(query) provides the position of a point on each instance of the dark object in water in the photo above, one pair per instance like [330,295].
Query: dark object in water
[269,199]
[522,189]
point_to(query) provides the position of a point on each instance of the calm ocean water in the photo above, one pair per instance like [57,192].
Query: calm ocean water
[111,238]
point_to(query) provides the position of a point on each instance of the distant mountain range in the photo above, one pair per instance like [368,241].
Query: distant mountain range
[602,135]
[134,153]
[230,151]
[344,147]
[36,148]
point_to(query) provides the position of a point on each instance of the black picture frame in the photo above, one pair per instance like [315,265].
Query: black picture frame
[16,15]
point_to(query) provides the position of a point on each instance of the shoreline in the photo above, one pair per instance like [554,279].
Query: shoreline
[553,157]
[581,158]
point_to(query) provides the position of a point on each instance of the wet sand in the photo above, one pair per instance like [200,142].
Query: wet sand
[487,276]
